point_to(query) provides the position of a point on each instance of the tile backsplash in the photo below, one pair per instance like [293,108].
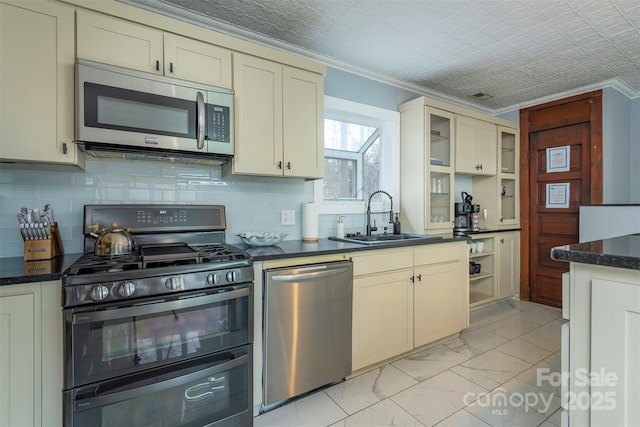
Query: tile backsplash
[252,203]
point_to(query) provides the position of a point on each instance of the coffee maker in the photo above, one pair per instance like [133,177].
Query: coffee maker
[466,216]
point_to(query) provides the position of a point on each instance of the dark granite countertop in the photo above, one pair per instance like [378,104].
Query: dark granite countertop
[621,252]
[503,230]
[298,248]
[15,270]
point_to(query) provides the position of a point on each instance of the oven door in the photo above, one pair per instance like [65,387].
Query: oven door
[111,340]
[212,390]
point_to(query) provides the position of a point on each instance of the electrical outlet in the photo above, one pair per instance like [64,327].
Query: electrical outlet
[288,217]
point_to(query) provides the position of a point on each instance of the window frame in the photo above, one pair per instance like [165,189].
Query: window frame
[388,123]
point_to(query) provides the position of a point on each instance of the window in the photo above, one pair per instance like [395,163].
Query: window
[361,155]
[352,160]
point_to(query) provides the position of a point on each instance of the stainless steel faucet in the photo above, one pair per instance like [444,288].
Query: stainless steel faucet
[374,228]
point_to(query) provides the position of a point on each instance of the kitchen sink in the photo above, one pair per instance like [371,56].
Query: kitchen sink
[385,238]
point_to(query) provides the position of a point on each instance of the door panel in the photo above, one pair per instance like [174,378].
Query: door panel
[552,227]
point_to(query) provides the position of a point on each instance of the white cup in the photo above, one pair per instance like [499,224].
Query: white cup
[479,246]
[473,247]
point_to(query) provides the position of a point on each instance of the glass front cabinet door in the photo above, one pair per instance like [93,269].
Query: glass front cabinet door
[439,164]
[508,173]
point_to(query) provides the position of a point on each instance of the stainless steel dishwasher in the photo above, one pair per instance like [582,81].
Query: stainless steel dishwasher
[307,326]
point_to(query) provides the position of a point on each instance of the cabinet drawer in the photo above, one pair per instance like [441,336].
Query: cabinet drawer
[438,253]
[383,260]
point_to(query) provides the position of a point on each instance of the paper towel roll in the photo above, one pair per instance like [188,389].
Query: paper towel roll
[309,222]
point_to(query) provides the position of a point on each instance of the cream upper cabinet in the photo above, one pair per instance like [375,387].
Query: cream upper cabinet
[509,177]
[475,146]
[196,61]
[36,82]
[508,252]
[31,354]
[427,173]
[127,44]
[279,119]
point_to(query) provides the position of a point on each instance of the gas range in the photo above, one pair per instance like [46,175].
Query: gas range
[178,248]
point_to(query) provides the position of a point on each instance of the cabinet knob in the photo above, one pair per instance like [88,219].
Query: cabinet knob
[501,240]
[171,67]
[157,65]
[289,165]
[419,277]
[501,219]
[413,279]
[64,148]
[279,165]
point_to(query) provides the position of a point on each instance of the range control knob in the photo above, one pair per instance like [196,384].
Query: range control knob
[213,279]
[172,283]
[99,293]
[126,289]
[232,276]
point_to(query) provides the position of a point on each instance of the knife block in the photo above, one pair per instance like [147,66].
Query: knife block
[44,248]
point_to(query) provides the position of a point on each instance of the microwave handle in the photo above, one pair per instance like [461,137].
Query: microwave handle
[200,112]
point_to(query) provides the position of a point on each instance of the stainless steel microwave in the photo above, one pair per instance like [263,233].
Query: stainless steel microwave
[131,114]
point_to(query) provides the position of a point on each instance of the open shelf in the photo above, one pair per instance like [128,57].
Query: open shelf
[479,276]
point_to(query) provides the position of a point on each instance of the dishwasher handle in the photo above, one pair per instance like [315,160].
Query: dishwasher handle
[311,273]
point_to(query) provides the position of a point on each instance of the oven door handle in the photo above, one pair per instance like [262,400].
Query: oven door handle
[108,398]
[158,307]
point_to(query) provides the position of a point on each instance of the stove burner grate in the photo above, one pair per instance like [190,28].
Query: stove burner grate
[153,256]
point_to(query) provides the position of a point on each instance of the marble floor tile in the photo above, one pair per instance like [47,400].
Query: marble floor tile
[541,314]
[491,369]
[371,387]
[435,399]
[383,413]
[432,361]
[503,338]
[532,347]
[489,314]
[315,410]
[462,418]
[481,339]
[513,326]
[544,374]
[515,403]
[556,418]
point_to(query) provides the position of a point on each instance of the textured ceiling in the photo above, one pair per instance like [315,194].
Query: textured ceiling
[517,51]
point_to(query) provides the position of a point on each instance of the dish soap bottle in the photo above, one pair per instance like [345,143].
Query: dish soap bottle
[340,228]
[396,225]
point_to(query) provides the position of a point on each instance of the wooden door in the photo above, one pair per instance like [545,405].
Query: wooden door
[575,123]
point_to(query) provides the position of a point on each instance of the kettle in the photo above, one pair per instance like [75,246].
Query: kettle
[113,241]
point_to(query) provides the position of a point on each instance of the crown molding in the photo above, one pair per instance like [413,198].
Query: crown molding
[170,10]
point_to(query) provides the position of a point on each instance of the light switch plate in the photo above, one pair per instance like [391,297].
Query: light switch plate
[288,217]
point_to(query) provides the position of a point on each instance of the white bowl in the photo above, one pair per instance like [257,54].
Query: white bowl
[261,238]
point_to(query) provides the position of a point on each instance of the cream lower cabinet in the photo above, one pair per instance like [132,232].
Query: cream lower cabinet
[279,119]
[508,253]
[36,82]
[499,261]
[440,293]
[406,298]
[602,369]
[382,317]
[31,363]
[127,44]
